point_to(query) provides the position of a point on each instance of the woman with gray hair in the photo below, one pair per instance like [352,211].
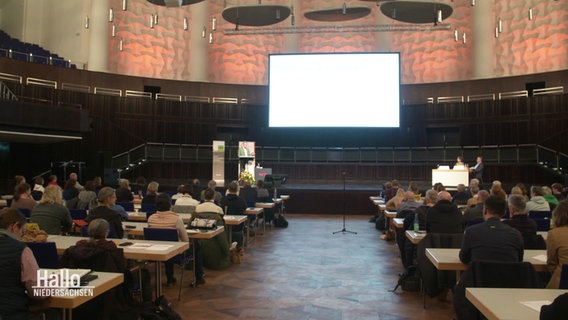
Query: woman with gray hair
[107,198]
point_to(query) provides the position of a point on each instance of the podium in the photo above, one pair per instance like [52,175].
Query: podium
[450,178]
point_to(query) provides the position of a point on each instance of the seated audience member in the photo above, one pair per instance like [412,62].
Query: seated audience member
[413,186]
[558,191]
[139,186]
[23,197]
[549,197]
[461,196]
[386,187]
[392,191]
[120,210]
[234,205]
[409,203]
[261,192]
[557,310]
[87,197]
[249,194]
[557,244]
[518,191]
[18,265]
[18,179]
[422,211]
[50,214]
[123,192]
[70,194]
[216,253]
[196,189]
[473,191]
[100,254]
[52,181]
[473,183]
[186,199]
[438,187]
[98,181]
[38,186]
[212,185]
[395,201]
[497,190]
[475,212]
[491,240]
[166,219]
[107,198]
[179,192]
[519,216]
[208,205]
[537,201]
[151,193]
[73,176]
[444,216]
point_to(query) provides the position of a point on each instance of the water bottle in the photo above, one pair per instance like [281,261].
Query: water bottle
[416,223]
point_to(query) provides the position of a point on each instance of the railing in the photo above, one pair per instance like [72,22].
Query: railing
[6,93]
[30,57]
[505,154]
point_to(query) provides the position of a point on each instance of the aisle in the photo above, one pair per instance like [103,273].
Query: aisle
[306,272]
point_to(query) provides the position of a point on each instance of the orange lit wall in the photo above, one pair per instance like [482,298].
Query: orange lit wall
[525,46]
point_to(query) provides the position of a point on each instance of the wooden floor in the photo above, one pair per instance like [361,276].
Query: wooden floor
[306,272]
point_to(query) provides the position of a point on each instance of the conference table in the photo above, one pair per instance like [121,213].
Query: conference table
[448,259]
[158,251]
[136,229]
[104,282]
[509,304]
[231,221]
[416,237]
[264,205]
[141,216]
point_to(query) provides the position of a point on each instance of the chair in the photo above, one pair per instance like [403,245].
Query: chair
[492,274]
[542,224]
[45,254]
[128,206]
[170,235]
[474,222]
[433,280]
[540,214]
[564,277]
[78,214]
[534,242]
[148,207]
[183,209]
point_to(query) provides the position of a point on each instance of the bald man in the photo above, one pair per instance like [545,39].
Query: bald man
[444,216]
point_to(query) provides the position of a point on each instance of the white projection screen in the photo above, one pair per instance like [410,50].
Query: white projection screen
[334,90]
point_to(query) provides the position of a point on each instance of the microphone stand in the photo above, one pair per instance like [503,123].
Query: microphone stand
[344,208]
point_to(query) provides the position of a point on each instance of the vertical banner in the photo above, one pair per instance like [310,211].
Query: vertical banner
[246,156]
[219,162]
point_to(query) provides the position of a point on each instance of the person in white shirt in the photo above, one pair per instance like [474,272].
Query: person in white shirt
[185,199]
[209,204]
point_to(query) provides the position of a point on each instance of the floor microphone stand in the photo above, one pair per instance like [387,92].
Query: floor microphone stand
[344,208]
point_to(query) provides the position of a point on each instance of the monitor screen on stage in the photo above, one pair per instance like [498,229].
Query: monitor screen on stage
[334,90]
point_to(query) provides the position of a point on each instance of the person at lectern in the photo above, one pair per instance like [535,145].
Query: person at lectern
[459,163]
[477,170]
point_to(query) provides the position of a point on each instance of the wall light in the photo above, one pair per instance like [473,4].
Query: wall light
[87,22]
[214,24]
[203,32]
[113,30]
[120,45]
[152,22]
[464,40]
[439,16]
[185,24]
[110,15]
[124,6]
[530,14]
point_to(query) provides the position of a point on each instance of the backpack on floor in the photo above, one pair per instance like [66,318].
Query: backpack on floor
[160,309]
[409,280]
[280,221]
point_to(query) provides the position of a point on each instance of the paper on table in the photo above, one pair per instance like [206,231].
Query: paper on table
[535,305]
[139,245]
[80,272]
[159,247]
[540,257]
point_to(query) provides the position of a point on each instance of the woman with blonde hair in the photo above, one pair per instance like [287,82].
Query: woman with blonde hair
[395,202]
[50,214]
[151,193]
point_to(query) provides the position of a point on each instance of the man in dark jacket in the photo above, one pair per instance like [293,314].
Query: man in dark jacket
[444,216]
[232,204]
[488,241]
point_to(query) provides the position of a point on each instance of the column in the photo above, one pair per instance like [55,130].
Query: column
[98,36]
[484,44]
[199,46]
